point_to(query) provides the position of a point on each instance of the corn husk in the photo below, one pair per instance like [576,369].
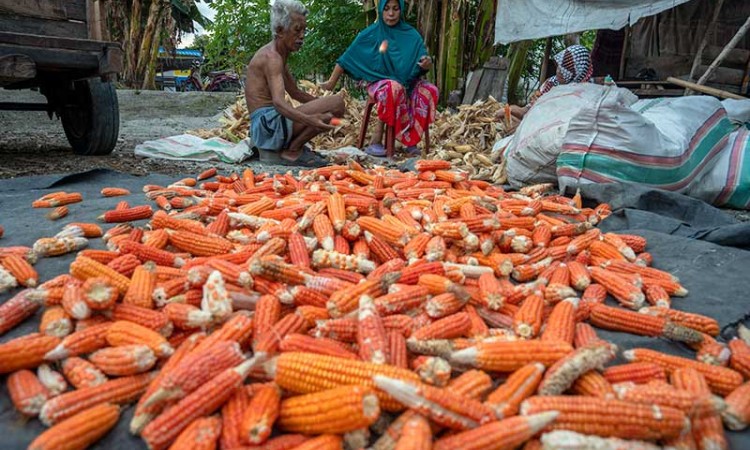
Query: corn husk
[463,137]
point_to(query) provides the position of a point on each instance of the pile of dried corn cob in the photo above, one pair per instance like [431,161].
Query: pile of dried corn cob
[464,138]
[361,293]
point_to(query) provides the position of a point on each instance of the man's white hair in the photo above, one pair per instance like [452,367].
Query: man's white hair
[281,13]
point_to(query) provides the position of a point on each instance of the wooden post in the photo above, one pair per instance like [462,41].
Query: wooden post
[545,60]
[704,89]
[740,33]
[624,55]
[704,42]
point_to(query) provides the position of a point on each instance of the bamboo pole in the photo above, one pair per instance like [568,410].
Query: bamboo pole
[704,89]
[545,60]
[728,48]
[624,55]
[704,42]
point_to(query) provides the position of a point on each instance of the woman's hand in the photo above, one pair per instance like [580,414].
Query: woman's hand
[425,63]
[328,85]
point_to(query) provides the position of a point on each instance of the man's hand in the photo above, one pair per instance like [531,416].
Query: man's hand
[321,121]
[425,63]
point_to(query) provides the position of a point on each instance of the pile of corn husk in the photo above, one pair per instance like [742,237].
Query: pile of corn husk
[464,137]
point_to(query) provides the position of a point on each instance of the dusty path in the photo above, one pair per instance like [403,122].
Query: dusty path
[32,144]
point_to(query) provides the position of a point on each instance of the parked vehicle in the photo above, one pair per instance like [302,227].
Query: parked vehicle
[218,81]
[57,47]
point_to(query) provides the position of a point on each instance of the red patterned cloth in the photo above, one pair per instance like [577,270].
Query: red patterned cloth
[409,113]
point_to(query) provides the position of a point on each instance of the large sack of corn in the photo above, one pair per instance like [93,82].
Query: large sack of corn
[728,182]
[533,152]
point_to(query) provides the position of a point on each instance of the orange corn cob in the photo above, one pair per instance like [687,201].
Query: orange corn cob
[593,384]
[607,417]
[85,341]
[528,320]
[81,373]
[72,301]
[307,373]
[17,309]
[59,246]
[202,434]
[142,286]
[695,405]
[442,305]
[561,375]
[57,199]
[507,356]
[322,442]
[347,299]
[721,380]
[120,391]
[618,319]
[206,174]
[455,325]
[99,293]
[203,401]
[416,434]
[657,296]
[698,322]
[504,434]
[397,351]
[123,332]
[323,231]
[187,317]
[298,253]
[708,432]
[737,415]
[432,370]
[441,405]
[322,346]
[195,369]
[740,359]
[381,249]
[638,372]
[336,211]
[149,318]
[425,165]
[56,322]
[200,245]
[27,392]
[80,430]
[269,342]
[25,352]
[84,268]
[371,337]
[125,264]
[522,383]
[231,418]
[337,410]
[561,323]
[624,292]
[127,214]
[21,270]
[124,360]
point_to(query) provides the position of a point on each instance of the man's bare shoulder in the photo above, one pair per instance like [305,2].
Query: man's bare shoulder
[265,55]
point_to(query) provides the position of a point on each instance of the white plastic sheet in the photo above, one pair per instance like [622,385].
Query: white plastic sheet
[518,20]
[187,147]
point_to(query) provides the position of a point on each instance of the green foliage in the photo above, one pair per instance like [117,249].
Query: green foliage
[241,27]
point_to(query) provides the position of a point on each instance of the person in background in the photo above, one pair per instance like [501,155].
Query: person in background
[391,56]
[279,130]
[573,66]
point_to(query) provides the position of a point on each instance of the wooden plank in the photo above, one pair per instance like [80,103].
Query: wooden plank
[472,86]
[657,92]
[17,67]
[43,27]
[34,40]
[46,9]
[722,75]
[737,57]
[705,89]
[95,20]
[56,59]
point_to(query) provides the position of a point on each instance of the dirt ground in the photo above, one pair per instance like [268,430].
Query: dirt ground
[32,144]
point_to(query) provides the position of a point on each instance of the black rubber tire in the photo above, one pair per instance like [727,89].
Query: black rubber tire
[91,117]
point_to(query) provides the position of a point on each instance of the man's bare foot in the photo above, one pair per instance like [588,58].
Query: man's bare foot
[291,155]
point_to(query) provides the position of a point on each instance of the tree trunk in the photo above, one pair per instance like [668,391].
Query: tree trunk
[442,46]
[149,79]
[150,33]
[454,51]
[484,33]
[132,38]
[517,55]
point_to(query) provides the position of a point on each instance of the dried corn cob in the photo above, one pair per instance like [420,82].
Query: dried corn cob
[80,430]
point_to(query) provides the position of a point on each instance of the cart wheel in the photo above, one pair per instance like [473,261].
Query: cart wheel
[91,117]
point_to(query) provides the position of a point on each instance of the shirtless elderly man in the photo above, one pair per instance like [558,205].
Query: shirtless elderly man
[278,129]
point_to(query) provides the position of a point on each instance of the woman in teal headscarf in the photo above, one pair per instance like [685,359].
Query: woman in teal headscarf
[391,56]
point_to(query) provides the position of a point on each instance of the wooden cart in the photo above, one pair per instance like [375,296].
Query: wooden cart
[57,46]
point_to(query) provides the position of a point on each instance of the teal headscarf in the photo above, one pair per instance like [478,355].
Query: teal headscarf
[363,60]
